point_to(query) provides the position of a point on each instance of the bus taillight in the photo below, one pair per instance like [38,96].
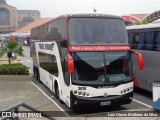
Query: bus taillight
[70,64]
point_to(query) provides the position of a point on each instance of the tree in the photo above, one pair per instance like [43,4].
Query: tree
[11,47]
[141,22]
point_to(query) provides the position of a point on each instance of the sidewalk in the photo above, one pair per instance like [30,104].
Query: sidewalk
[15,88]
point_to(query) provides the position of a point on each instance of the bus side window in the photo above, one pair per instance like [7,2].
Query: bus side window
[130,39]
[135,41]
[155,41]
[158,41]
[66,75]
[61,30]
[141,41]
[149,40]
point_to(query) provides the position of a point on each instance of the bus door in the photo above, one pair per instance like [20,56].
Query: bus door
[67,80]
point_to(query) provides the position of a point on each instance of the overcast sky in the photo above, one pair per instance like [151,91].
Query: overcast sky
[53,8]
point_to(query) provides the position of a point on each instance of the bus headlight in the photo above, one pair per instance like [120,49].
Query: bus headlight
[75,92]
[79,93]
[131,88]
[83,93]
[126,90]
[87,94]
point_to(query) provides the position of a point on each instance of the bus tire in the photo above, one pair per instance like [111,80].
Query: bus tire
[57,93]
[37,76]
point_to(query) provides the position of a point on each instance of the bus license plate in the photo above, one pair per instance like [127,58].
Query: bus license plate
[105,103]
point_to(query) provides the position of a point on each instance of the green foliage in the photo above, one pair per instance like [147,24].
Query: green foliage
[11,47]
[144,21]
[141,22]
[13,69]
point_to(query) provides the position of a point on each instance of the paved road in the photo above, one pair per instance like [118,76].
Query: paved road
[140,101]
[26,89]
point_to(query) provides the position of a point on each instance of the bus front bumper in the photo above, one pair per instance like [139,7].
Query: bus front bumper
[102,101]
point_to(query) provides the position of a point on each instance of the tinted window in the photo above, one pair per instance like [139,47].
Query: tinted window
[135,40]
[48,62]
[149,40]
[144,40]
[60,26]
[83,31]
[101,67]
[158,41]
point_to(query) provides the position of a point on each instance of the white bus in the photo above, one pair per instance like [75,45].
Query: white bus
[84,58]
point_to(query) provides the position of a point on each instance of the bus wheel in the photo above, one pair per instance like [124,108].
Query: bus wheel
[57,94]
[37,76]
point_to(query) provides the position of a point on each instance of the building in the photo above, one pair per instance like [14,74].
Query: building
[11,18]
[8,17]
[27,16]
[27,28]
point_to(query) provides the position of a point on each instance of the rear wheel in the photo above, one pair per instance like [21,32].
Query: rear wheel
[37,75]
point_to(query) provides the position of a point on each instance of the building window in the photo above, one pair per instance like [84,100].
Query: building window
[4,16]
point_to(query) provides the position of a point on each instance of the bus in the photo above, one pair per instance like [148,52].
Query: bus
[84,58]
[145,39]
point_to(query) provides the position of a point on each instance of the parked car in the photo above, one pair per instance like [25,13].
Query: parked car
[14,56]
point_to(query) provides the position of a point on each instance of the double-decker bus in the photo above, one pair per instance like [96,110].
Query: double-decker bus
[84,58]
[145,39]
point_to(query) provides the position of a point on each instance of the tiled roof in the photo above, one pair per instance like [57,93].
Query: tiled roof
[139,16]
[33,24]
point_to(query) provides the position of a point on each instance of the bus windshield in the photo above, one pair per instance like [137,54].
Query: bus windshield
[97,31]
[98,68]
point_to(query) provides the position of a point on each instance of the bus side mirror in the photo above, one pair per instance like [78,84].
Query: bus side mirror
[70,64]
[140,60]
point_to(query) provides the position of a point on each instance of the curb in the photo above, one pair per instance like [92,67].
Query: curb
[5,59]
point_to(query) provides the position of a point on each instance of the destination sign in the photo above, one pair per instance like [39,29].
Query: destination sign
[46,46]
[99,48]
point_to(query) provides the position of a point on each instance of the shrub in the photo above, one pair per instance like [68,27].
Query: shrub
[13,69]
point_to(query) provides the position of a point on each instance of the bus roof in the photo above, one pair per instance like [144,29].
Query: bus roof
[146,26]
[74,15]
[94,15]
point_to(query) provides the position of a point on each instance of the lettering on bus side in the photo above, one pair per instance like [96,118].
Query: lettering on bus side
[46,46]
[81,88]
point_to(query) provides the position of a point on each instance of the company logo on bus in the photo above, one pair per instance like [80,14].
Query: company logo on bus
[99,48]
[46,46]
